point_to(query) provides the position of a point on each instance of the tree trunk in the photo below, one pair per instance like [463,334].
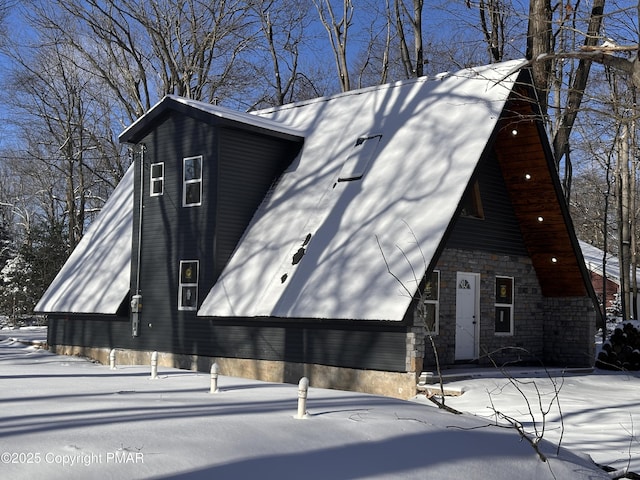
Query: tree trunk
[402,40]
[492,16]
[578,85]
[625,234]
[417,36]
[539,42]
[633,287]
[605,245]
[338,32]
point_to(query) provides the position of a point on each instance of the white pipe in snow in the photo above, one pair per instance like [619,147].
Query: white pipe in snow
[154,365]
[303,388]
[112,359]
[214,378]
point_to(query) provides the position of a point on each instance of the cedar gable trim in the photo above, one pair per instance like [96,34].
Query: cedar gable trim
[536,194]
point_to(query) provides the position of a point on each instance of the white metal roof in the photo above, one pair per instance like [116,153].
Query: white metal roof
[593,257]
[213,110]
[406,152]
[430,135]
[95,278]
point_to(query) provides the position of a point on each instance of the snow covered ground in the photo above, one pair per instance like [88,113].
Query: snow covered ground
[597,413]
[66,417]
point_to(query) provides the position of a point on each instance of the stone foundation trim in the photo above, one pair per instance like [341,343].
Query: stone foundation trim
[400,385]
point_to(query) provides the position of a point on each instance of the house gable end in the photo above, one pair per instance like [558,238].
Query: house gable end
[524,209]
[236,168]
[536,195]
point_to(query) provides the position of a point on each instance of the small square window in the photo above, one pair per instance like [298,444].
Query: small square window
[189,300]
[157,179]
[504,290]
[192,194]
[189,271]
[503,319]
[193,168]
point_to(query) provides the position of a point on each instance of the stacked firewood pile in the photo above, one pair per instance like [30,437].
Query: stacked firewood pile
[622,350]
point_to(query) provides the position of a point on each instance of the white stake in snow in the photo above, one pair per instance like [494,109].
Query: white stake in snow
[112,359]
[214,378]
[154,366]
[303,388]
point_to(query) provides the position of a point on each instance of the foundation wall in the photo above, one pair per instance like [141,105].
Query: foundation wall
[390,384]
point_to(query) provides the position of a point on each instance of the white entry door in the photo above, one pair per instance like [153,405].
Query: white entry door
[467,316]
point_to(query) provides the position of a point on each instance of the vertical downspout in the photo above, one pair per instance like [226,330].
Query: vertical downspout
[136,299]
[139,243]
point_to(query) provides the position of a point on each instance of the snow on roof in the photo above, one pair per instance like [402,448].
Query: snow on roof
[95,278]
[593,259]
[214,110]
[380,176]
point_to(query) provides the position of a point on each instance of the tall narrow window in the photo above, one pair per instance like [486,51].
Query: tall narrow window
[192,181]
[188,285]
[431,303]
[157,179]
[472,203]
[504,305]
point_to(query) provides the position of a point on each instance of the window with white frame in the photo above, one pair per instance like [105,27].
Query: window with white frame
[504,306]
[157,179]
[430,303]
[188,285]
[192,181]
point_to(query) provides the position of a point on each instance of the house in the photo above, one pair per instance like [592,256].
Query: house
[593,257]
[326,238]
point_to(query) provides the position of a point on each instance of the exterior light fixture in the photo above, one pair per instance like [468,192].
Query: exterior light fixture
[541,219]
[514,132]
[527,176]
[554,260]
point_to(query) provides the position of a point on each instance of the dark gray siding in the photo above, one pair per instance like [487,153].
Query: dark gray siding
[88,330]
[499,231]
[238,169]
[170,232]
[374,347]
[247,167]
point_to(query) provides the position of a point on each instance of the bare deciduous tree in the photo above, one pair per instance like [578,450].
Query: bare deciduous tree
[493,15]
[283,29]
[413,66]
[61,125]
[144,50]
[548,69]
[337,27]
[5,9]
[374,61]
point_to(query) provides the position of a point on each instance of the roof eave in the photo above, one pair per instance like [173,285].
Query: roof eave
[207,113]
[524,81]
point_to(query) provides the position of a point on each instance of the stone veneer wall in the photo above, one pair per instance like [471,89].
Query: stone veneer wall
[557,331]
[541,325]
[392,384]
[569,331]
